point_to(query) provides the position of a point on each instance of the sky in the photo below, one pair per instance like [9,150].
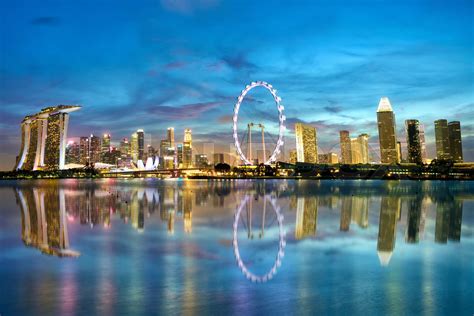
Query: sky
[183,63]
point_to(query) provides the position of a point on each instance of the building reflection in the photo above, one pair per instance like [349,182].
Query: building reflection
[306,217]
[390,209]
[44,220]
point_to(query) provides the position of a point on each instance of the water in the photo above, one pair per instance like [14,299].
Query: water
[165,247]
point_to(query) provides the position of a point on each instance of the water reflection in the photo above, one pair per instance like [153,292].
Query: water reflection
[374,209]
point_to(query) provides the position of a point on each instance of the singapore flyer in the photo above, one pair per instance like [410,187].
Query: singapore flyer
[281,245]
[281,119]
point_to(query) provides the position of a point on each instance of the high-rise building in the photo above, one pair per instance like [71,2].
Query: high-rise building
[455,141]
[293,156]
[187,149]
[345,142]
[84,150]
[44,137]
[124,148]
[442,139]
[359,149]
[72,152]
[218,158]
[105,143]
[399,151]
[201,161]
[387,136]
[424,157]
[412,128]
[95,149]
[141,144]
[306,143]
[170,136]
[134,147]
[179,155]
[329,158]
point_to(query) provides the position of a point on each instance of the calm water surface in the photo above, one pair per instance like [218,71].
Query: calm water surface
[236,247]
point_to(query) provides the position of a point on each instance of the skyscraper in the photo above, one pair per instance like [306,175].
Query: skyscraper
[44,137]
[306,143]
[170,136]
[95,148]
[141,144]
[72,152]
[412,128]
[105,147]
[134,147]
[359,149]
[442,139]
[84,150]
[455,141]
[423,143]
[345,142]
[187,149]
[387,136]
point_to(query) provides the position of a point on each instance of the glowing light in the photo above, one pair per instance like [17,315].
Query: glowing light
[281,119]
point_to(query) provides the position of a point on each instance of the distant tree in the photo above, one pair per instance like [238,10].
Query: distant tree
[222,167]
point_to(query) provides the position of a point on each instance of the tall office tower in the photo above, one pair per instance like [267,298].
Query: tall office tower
[134,147]
[399,151]
[442,139]
[187,149]
[387,136]
[95,149]
[43,138]
[164,147]
[141,144]
[412,128]
[424,157]
[105,147]
[72,153]
[355,151]
[179,154]
[84,157]
[455,141]
[151,152]
[345,142]
[329,158]
[363,140]
[124,148]
[218,158]
[390,208]
[306,217]
[306,143]
[293,156]
[201,161]
[170,136]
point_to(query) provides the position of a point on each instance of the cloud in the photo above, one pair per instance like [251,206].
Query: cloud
[239,62]
[188,7]
[184,111]
[333,108]
[176,65]
[46,20]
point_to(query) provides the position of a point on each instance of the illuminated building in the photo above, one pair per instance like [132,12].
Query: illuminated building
[359,149]
[399,151]
[134,147]
[306,217]
[72,153]
[387,136]
[95,148]
[306,143]
[201,161]
[44,137]
[179,155]
[442,139]
[345,143]
[423,144]
[293,156]
[218,158]
[170,136]
[329,158]
[390,209]
[455,141]
[141,144]
[105,148]
[84,150]
[412,128]
[187,149]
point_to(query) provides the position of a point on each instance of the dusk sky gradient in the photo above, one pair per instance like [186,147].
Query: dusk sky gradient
[182,63]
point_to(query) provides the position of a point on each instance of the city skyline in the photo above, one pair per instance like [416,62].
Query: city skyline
[160,75]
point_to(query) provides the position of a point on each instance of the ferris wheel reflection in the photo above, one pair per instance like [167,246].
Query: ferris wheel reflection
[247,205]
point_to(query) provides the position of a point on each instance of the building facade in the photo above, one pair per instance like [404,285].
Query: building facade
[387,135]
[455,141]
[345,143]
[442,140]
[44,138]
[414,152]
[306,143]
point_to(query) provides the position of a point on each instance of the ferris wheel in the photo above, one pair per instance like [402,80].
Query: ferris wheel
[281,120]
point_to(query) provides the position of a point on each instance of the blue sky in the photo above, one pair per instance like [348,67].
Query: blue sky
[182,63]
